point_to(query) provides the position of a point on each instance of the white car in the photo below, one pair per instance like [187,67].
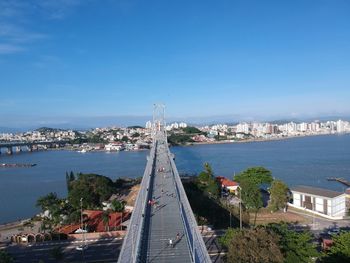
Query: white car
[82,247]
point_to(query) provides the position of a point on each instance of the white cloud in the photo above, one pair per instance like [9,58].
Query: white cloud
[57,9]
[10,49]
[16,19]
[16,34]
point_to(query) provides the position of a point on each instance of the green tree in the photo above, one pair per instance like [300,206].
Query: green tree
[256,175]
[251,196]
[191,130]
[105,220]
[48,201]
[5,257]
[125,139]
[254,246]
[228,237]
[295,247]
[72,217]
[118,206]
[340,251]
[135,135]
[208,170]
[207,181]
[278,195]
[69,179]
[53,205]
[93,188]
[178,139]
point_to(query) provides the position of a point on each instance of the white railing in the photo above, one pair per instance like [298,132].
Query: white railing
[133,239]
[195,241]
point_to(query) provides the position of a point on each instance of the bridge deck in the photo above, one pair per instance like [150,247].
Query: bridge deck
[162,212]
[165,221]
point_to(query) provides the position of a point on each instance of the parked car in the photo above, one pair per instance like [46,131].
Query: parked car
[82,247]
[333,231]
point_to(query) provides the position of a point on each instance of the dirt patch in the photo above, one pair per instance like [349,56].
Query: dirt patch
[265,217]
[130,198]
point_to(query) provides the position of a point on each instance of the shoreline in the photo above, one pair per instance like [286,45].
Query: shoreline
[69,148]
[261,140]
[18,222]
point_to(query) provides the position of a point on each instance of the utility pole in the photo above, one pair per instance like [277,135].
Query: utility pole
[240,207]
[82,227]
[81,213]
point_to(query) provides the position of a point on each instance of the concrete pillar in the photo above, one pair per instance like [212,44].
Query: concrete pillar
[18,149]
[29,148]
[9,150]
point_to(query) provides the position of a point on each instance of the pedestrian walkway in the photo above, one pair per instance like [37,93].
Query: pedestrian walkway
[165,220]
[162,227]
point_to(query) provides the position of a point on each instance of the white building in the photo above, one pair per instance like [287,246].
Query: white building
[182,125]
[341,126]
[113,147]
[148,125]
[327,203]
[243,127]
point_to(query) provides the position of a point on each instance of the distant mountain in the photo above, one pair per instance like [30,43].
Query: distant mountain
[86,123]
[47,129]
[11,130]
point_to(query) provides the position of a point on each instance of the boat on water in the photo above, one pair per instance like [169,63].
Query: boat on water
[17,165]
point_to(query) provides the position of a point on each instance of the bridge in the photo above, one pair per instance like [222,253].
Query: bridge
[30,146]
[162,227]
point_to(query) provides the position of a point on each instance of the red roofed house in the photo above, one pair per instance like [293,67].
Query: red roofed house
[227,184]
[94,222]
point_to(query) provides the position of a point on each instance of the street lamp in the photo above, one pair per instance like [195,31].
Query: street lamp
[81,213]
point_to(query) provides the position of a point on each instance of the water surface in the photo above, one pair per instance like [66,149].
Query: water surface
[307,160]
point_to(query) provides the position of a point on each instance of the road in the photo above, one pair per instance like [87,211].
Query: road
[321,224]
[103,250]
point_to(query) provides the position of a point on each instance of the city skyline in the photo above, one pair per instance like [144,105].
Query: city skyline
[75,62]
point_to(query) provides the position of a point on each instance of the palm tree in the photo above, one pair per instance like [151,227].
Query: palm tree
[118,206]
[105,220]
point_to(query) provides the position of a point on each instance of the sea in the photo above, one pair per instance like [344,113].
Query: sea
[296,161]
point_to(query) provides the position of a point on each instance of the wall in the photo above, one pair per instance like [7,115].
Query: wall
[338,206]
[97,235]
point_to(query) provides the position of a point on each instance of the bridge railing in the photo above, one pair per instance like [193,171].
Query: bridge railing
[198,249]
[132,242]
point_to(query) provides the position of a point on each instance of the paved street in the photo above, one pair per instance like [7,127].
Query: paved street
[104,250]
[321,224]
[212,244]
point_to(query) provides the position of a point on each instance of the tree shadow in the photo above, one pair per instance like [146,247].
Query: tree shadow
[205,207]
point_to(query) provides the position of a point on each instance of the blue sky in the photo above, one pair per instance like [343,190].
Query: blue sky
[64,59]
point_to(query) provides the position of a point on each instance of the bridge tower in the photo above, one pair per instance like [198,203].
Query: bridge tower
[158,118]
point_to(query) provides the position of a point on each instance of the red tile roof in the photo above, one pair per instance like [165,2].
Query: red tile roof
[69,229]
[226,182]
[93,218]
